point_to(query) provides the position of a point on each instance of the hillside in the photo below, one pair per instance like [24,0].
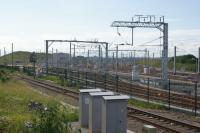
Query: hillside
[20,57]
[184,59]
[184,63]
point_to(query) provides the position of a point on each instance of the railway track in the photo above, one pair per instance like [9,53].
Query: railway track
[167,124]
[128,87]
[51,87]
[162,122]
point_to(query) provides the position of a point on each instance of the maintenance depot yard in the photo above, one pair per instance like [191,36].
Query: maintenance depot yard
[20,102]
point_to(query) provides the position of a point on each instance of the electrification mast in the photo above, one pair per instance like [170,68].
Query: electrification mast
[150,21]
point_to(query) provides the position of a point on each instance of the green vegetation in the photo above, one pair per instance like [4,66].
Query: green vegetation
[20,57]
[185,63]
[4,75]
[145,105]
[17,116]
[61,81]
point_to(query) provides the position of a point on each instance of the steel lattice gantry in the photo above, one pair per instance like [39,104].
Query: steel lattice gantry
[163,27]
[50,42]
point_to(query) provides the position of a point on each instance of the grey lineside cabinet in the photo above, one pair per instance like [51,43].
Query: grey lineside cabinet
[84,106]
[114,114]
[95,113]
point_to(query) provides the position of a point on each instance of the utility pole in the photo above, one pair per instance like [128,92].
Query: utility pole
[70,56]
[99,57]
[145,58]
[132,32]
[74,51]
[52,57]
[106,62]
[5,61]
[12,55]
[122,56]
[175,60]
[131,58]
[47,48]
[199,62]
[134,58]
[116,59]
[113,58]
[57,58]
[88,56]
[153,60]
[148,59]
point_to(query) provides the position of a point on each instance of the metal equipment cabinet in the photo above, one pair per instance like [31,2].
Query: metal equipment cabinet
[114,114]
[84,106]
[95,107]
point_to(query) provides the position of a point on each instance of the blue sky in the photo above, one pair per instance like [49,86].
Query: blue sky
[28,23]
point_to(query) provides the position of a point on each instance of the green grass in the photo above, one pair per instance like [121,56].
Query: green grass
[21,57]
[51,78]
[145,105]
[60,81]
[14,112]
[184,62]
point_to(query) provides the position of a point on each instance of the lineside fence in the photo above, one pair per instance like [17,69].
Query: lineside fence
[178,95]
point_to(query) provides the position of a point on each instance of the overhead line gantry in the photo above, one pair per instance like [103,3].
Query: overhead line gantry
[50,42]
[150,21]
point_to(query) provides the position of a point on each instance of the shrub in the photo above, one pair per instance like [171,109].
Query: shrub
[4,75]
[53,119]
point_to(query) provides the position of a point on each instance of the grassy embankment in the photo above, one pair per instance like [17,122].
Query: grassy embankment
[183,63]
[16,115]
[133,102]
[145,105]
[61,81]
[21,57]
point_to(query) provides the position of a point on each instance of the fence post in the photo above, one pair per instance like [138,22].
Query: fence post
[148,90]
[105,81]
[117,82]
[95,80]
[65,73]
[131,86]
[169,95]
[70,77]
[86,80]
[195,108]
[78,76]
